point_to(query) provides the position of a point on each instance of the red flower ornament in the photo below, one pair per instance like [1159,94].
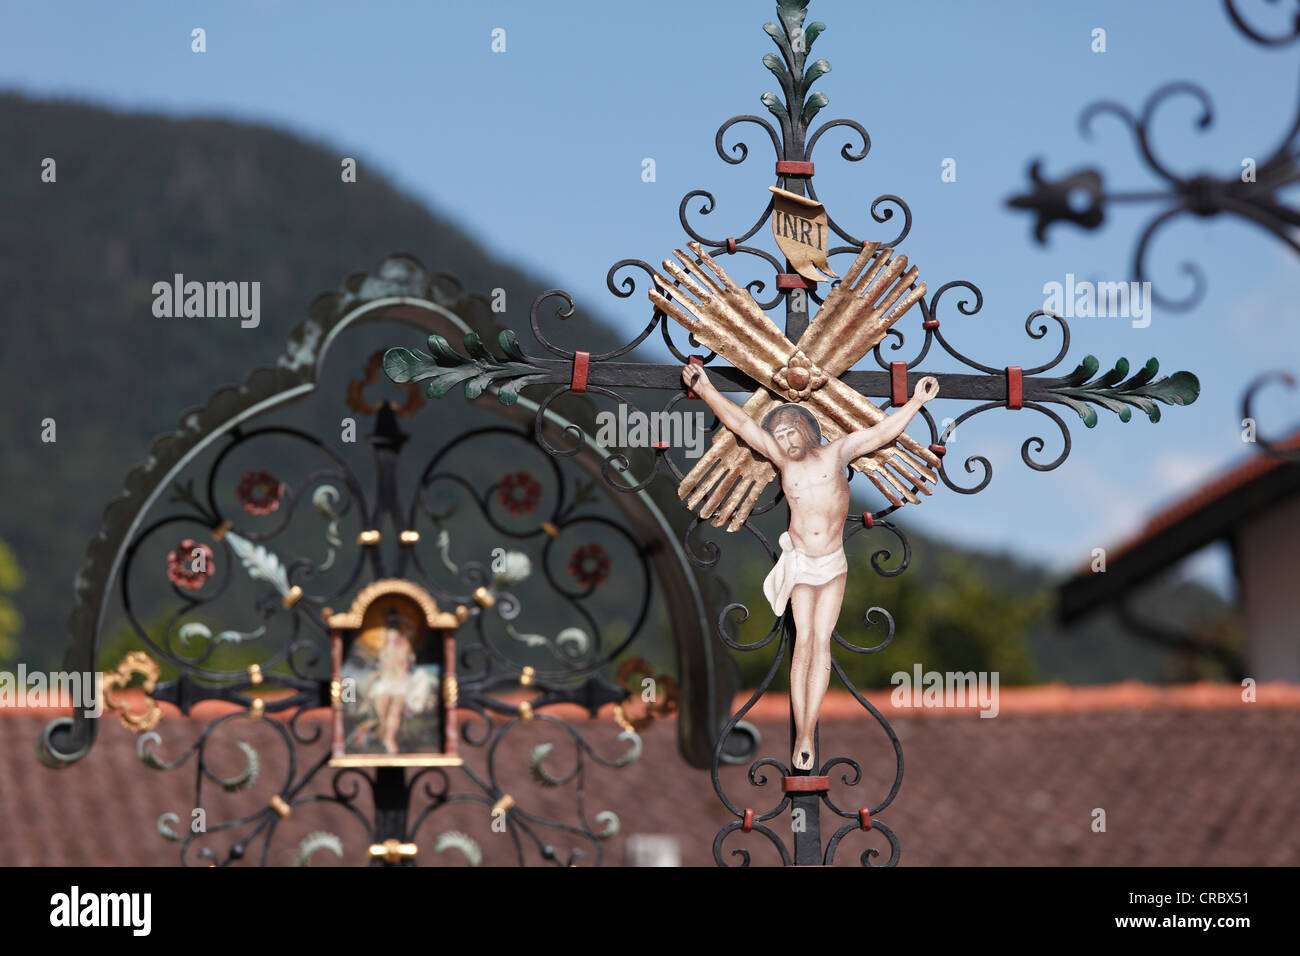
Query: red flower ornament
[589,565]
[185,569]
[259,492]
[519,493]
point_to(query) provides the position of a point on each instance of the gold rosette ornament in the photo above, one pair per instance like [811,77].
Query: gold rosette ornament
[799,377]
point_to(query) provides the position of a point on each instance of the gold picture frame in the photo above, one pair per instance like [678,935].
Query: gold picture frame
[393,688]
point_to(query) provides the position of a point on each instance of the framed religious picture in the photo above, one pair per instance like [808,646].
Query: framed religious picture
[393,687]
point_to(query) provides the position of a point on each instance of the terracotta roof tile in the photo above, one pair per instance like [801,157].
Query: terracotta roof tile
[1187,776]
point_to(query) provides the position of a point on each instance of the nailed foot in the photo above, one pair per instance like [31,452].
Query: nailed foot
[803,758]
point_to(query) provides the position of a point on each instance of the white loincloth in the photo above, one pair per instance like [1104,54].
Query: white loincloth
[795,567]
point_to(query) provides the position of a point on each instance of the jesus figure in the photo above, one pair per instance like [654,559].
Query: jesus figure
[811,572]
[393,678]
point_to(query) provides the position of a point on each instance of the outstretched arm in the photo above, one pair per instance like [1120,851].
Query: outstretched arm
[856,444]
[731,415]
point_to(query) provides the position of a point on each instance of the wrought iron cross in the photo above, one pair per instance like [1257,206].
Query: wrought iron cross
[814,364]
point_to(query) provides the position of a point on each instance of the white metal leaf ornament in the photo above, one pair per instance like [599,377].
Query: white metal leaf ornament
[260,563]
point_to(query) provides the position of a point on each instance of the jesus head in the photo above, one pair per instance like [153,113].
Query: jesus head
[795,429]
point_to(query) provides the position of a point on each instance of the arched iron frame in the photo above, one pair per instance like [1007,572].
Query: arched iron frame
[399,290]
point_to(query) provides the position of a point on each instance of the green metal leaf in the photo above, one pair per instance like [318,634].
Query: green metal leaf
[792,13]
[508,392]
[1143,391]
[442,352]
[810,75]
[1086,370]
[444,381]
[773,63]
[814,105]
[509,343]
[1141,378]
[775,106]
[1085,411]
[1114,376]
[474,387]
[1112,405]
[796,80]
[1181,388]
[476,349]
[445,368]
[403,365]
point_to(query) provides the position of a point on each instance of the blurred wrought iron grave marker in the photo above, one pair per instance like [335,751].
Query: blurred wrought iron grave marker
[1256,192]
[803,386]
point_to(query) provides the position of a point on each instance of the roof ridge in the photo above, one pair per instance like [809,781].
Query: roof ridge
[899,702]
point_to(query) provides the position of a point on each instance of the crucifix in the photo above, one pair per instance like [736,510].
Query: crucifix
[874,294]
[766,435]
[807,415]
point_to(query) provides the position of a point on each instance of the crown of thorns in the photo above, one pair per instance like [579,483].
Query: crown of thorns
[769,420]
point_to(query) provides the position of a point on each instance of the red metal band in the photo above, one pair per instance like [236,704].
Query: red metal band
[792,280]
[1015,387]
[748,823]
[898,383]
[864,818]
[694,360]
[867,520]
[938,450]
[930,324]
[579,381]
[731,245]
[805,784]
[791,168]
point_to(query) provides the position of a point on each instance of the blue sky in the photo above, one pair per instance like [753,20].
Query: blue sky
[538,152]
